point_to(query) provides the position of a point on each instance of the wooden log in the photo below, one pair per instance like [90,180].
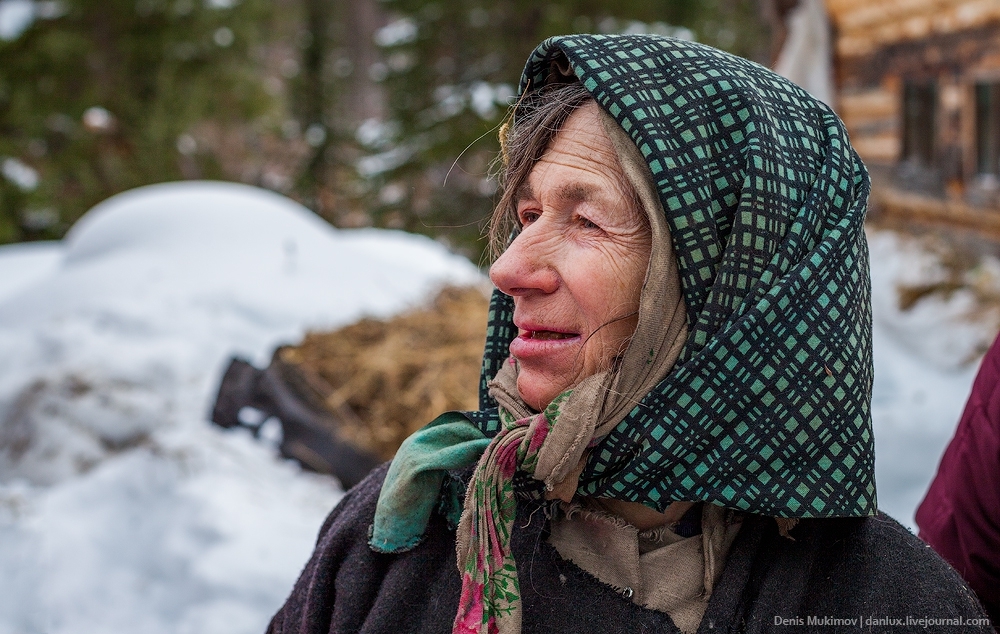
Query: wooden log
[863,27]
[868,105]
[904,206]
[884,148]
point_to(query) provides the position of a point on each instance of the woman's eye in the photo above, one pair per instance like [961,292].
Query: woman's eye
[528,217]
[586,223]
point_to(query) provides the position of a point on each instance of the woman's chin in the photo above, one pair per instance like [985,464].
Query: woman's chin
[538,391]
[546,368]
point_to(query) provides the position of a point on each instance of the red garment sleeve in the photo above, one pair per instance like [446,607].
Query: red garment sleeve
[960,515]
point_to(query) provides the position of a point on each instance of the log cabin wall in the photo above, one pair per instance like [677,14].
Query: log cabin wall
[919,91]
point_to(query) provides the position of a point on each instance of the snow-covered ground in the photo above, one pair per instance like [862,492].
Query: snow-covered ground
[123,510]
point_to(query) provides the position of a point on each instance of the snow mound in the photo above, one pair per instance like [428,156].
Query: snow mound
[24,264]
[121,507]
[201,216]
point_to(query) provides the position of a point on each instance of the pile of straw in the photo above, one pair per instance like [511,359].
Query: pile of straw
[385,379]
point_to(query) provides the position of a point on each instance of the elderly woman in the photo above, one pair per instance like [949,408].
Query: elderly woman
[674,432]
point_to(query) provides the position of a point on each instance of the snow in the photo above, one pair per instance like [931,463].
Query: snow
[402,31]
[15,17]
[22,265]
[925,361]
[19,173]
[123,509]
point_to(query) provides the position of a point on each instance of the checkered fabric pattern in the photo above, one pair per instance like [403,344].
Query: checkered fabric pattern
[768,408]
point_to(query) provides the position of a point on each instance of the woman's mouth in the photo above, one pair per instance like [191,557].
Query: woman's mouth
[542,343]
[548,335]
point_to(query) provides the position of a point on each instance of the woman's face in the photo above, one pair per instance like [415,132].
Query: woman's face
[576,269]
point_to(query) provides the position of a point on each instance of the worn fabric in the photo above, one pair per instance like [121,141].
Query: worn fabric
[491,596]
[960,515]
[846,568]
[657,568]
[415,482]
[768,407]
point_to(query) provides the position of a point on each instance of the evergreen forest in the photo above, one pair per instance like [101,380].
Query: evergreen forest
[369,112]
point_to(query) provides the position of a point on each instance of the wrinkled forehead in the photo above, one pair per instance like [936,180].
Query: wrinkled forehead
[589,167]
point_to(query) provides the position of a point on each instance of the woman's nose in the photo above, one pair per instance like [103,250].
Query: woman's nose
[525,267]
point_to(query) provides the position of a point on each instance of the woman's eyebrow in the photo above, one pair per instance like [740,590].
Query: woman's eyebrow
[524,192]
[577,192]
[567,193]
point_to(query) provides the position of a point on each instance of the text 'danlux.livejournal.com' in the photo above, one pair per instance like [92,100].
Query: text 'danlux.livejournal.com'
[866,622]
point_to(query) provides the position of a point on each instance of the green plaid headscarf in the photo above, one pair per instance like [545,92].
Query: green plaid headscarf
[768,408]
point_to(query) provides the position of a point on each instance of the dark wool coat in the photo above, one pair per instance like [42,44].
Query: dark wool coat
[960,516]
[857,568]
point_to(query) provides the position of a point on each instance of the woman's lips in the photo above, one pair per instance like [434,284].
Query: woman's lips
[538,343]
[547,334]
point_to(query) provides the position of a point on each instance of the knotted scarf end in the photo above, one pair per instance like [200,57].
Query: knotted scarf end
[418,482]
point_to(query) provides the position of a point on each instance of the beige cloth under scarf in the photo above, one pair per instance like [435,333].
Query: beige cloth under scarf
[657,569]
